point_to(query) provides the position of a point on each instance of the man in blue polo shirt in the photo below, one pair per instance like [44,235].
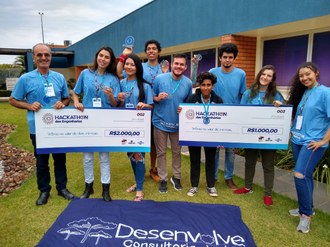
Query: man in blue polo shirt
[43,88]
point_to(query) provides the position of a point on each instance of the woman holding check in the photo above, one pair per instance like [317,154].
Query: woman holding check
[263,91]
[100,86]
[135,93]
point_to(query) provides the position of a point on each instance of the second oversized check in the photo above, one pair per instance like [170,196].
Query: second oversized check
[235,126]
[94,130]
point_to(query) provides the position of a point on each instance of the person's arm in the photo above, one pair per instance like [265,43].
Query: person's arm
[35,106]
[315,145]
[120,64]
[76,102]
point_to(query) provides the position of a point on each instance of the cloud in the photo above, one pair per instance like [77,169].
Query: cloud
[20,23]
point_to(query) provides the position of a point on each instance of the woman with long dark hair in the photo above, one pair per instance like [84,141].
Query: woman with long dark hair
[263,91]
[99,86]
[135,93]
[310,136]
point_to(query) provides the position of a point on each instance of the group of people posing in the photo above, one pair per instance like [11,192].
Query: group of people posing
[161,87]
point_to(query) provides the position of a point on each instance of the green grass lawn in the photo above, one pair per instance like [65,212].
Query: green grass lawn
[24,224]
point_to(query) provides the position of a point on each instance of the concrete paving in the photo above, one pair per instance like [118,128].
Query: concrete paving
[283,183]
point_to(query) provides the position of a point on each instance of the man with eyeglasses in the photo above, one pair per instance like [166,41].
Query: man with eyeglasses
[36,89]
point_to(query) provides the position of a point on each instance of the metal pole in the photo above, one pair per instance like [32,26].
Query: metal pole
[42,27]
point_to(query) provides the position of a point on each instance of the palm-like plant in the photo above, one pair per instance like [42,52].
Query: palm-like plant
[20,61]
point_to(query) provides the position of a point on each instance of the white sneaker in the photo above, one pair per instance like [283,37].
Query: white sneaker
[304,224]
[295,212]
[193,191]
[212,192]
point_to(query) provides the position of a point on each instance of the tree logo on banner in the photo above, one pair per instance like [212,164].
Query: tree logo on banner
[92,227]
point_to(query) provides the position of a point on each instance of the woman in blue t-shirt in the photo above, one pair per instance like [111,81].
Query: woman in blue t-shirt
[135,93]
[99,86]
[310,136]
[263,91]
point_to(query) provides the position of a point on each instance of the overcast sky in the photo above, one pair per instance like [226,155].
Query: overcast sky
[20,23]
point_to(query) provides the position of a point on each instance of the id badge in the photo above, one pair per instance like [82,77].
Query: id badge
[50,90]
[97,102]
[299,122]
[129,105]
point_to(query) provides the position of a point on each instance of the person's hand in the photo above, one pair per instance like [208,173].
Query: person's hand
[165,66]
[179,109]
[162,96]
[108,91]
[127,51]
[121,97]
[140,105]
[194,60]
[35,106]
[59,105]
[315,145]
[277,103]
[79,106]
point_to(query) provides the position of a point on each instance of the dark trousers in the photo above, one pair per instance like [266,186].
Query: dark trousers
[43,174]
[195,165]
[267,160]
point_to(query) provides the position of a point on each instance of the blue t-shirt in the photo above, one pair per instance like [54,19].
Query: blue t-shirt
[259,99]
[132,89]
[229,86]
[92,84]
[316,114]
[31,86]
[150,72]
[165,116]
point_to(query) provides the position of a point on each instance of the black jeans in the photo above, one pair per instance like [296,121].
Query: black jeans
[267,160]
[43,174]
[195,165]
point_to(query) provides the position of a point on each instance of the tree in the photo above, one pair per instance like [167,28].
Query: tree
[20,61]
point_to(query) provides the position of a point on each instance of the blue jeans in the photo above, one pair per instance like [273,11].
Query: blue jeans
[229,163]
[139,170]
[305,162]
[104,166]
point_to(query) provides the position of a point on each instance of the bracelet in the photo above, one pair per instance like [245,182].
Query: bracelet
[122,58]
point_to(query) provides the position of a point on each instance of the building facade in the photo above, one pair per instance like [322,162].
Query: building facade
[282,33]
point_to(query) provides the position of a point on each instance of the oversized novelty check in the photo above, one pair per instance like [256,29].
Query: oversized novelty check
[235,126]
[94,130]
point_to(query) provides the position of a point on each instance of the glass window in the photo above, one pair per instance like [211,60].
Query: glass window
[286,55]
[321,56]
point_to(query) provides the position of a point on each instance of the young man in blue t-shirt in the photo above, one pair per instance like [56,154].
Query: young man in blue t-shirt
[170,89]
[230,86]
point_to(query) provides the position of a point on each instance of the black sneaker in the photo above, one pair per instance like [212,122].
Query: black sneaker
[163,186]
[176,183]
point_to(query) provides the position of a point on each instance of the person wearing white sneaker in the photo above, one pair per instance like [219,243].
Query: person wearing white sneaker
[263,91]
[203,95]
[310,134]
[170,89]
